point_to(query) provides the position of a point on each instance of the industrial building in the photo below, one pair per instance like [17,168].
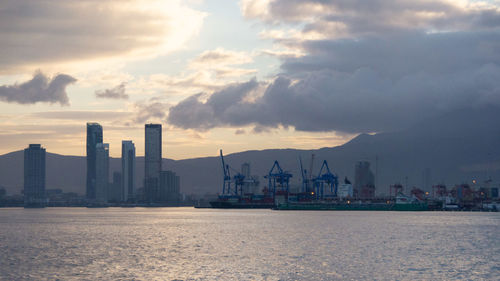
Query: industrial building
[364,180]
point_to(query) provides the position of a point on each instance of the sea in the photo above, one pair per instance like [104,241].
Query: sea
[210,244]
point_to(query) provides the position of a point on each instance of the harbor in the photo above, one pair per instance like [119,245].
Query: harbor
[324,192]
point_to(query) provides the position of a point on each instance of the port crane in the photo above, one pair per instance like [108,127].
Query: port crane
[238,180]
[306,175]
[305,178]
[278,179]
[226,187]
[325,178]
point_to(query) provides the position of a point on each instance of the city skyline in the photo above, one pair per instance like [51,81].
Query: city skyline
[250,139]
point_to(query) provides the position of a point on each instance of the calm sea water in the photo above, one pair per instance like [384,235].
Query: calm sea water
[206,244]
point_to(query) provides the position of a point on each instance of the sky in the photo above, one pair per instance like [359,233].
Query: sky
[239,75]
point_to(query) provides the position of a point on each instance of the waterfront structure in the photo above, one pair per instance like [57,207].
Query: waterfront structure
[251,183]
[128,171]
[94,137]
[34,176]
[102,172]
[169,187]
[152,161]
[345,190]
[364,180]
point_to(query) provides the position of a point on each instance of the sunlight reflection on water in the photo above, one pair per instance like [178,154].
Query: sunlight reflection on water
[206,244]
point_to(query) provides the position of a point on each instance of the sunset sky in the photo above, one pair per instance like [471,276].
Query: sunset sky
[239,75]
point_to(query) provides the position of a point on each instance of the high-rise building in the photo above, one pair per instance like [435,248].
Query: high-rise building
[94,136]
[364,180]
[34,176]
[102,172]
[152,162]
[169,187]
[128,171]
[246,172]
[115,188]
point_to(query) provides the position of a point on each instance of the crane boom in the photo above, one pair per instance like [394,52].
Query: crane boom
[311,167]
[223,164]
[226,187]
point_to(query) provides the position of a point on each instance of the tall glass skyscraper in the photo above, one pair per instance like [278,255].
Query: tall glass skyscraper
[34,176]
[152,158]
[94,136]
[102,172]
[128,171]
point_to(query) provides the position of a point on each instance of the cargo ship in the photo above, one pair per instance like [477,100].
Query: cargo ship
[402,203]
[243,202]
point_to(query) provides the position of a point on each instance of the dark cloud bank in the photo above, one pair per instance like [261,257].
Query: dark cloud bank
[371,84]
[39,89]
[382,65]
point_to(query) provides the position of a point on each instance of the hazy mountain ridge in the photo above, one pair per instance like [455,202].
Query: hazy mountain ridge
[455,150]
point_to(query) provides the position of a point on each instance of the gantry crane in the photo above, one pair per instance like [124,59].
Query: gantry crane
[278,179]
[232,185]
[325,177]
[226,187]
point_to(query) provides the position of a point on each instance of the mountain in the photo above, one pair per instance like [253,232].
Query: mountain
[453,148]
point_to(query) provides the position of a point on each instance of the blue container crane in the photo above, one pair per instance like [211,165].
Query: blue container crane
[325,178]
[237,180]
[226,187]
[278,179]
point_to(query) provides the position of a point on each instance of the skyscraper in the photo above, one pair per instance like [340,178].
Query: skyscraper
[102,172]
[34,176]
[169,187]
[94,136]
[152,159]
[115,188]
[128,171]
[364,180]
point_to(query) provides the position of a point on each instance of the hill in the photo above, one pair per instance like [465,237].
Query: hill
[453,149]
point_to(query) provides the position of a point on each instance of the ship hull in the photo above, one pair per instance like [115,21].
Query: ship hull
[240,205]
[351,207]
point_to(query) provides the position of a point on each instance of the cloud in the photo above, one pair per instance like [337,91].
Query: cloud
[79,115]
[221,57]
[218,110]
[147,112]
[399,55]
[117,92]
[364,67]
[39,89]
[209,71]
[369,85]
[221,62]
[341,18]
[240,132]
[43,33]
